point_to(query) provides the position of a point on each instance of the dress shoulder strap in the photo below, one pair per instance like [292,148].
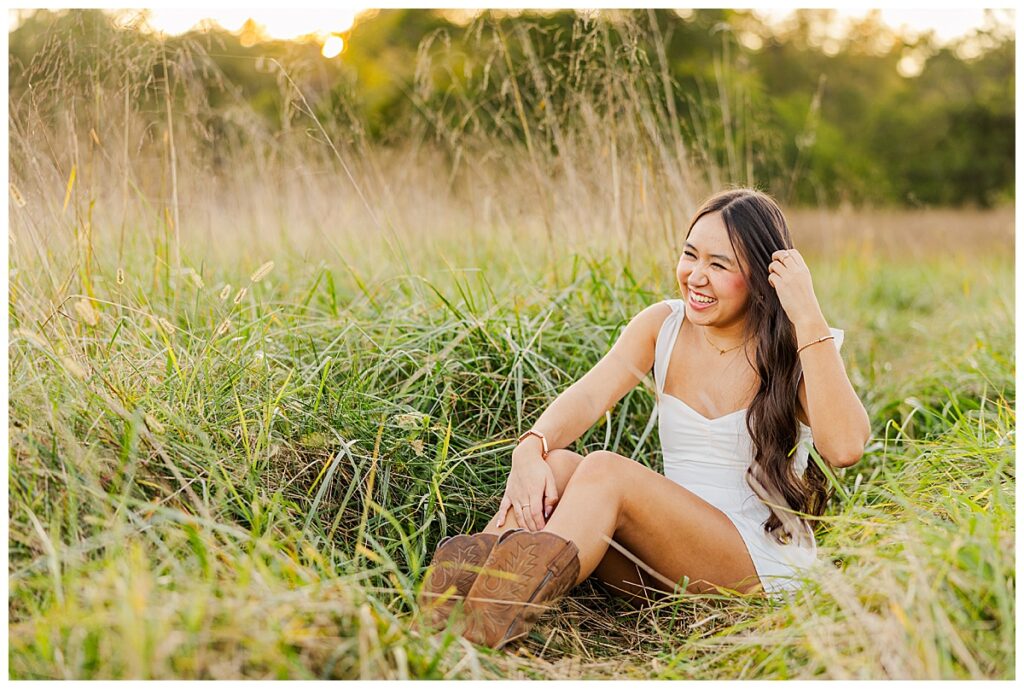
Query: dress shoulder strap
[662,351]
[666,341]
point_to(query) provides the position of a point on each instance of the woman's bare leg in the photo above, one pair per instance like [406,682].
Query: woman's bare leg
[620,576]
[665,525]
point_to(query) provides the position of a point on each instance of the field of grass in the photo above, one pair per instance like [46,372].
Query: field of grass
[246,403]
[227,474]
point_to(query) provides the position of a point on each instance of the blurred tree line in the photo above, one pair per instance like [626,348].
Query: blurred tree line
[813,118]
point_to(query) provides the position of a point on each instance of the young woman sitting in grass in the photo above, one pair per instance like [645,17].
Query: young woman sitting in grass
[746,376]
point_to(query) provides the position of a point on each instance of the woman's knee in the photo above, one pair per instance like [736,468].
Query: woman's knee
[605,460]
[601,463]
[563,465]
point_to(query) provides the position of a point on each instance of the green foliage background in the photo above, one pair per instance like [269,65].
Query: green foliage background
[813,121]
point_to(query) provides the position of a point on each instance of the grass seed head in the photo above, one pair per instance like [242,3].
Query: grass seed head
[165,325]
[74,368]
[262,272]
[225,293]
[120,276]
[16,196]
[240,295]
[196,278]
[86,311]
[223,327]
[34,338]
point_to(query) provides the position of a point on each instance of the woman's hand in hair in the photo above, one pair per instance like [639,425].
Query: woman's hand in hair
[790,277]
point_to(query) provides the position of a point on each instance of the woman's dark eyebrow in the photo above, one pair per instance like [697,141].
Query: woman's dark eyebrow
[724,258]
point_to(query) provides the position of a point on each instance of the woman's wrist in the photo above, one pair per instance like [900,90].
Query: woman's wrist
[811,328]
[536,434]
[529,447]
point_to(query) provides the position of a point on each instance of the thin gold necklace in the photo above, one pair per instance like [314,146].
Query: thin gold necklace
[720,350]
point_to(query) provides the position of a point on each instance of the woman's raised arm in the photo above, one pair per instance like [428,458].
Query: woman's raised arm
[838,420]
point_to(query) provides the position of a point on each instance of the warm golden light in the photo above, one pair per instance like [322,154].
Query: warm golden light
[290,24]
[281,24]
[332,46]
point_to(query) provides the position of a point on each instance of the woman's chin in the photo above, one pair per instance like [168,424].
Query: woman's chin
[712,317]
[700,314]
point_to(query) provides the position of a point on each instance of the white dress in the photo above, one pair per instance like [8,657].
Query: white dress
[710,457]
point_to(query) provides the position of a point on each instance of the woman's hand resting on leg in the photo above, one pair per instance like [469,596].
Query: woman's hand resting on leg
[530,490]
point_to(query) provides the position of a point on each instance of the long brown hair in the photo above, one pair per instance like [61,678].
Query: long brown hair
[756,229]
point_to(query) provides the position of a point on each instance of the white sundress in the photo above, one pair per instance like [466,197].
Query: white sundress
[710,457]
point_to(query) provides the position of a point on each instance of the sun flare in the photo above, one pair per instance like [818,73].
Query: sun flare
[333,46]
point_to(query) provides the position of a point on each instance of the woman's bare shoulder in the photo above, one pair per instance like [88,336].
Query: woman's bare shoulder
[649,321]
[657,312]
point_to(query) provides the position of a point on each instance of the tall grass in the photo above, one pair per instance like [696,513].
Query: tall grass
[222,468]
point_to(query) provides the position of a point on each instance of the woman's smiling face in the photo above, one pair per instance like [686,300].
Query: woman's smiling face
[711,276]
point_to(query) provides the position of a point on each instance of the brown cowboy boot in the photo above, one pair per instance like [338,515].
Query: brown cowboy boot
[451,573]
[524,571]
